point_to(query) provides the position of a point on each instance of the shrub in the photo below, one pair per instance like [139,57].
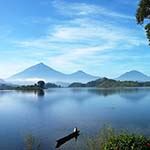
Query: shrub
[109,139]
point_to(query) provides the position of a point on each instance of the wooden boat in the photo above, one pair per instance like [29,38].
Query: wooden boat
[67,138]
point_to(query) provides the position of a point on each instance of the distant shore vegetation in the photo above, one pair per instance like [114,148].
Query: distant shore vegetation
[40,85]
[99,83]
[110,83]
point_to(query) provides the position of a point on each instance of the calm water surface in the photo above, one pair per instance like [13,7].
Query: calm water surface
[58,111]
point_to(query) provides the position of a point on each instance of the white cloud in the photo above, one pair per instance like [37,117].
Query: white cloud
[82,34]
[84,9]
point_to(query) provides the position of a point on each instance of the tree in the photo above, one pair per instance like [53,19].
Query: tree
[143,15]
[41,84]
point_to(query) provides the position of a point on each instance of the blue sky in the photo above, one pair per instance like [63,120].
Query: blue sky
[99,37]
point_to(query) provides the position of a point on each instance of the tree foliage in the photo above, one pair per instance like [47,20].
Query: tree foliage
[41,84]
[143,15]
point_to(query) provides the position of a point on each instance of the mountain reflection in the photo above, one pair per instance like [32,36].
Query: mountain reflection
[127,93]
[134,96]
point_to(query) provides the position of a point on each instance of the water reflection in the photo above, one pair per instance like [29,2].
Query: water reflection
[137,96]
[127,93]
[40,93]
[104,92]
[53,113]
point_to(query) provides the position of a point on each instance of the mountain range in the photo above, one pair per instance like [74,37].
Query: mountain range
[43,72]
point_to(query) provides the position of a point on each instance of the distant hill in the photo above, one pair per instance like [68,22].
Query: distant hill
[133,76]
[109,83]
[44,72]
[81,76]
[2,81]
[6,85]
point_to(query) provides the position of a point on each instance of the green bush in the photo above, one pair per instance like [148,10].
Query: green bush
[108,139]
[125,141]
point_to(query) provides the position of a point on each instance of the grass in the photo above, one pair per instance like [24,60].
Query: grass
[31,143]
[109,139]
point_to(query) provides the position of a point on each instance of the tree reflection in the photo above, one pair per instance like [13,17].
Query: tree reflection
[128,93]
[40,93]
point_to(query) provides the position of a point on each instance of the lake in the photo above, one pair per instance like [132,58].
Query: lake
[53,114]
